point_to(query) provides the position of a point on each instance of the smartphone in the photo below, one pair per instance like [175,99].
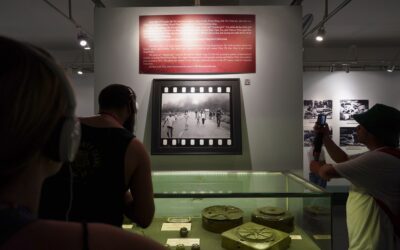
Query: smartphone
[321,120]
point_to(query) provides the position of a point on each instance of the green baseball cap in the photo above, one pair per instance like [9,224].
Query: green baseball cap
[383,122]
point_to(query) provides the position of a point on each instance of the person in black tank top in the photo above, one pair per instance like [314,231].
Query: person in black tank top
[98,179]
[110,165]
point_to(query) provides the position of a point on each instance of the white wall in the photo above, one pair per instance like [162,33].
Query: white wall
[83,86]
[271,105]
[377,87]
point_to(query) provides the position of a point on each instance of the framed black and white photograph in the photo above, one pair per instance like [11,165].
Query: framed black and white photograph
[348,137]
[309,136]
[348,108]
[196,116]
[312,108]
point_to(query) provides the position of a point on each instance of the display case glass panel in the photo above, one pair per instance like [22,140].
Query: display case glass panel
[183,195]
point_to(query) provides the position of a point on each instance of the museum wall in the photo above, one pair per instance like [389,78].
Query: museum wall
[271,103]
[374,86]
[83,86]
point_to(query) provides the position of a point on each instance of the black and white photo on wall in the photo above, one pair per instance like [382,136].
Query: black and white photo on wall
[309,136]
[196,116]
[348,108]
[312,108]
[348,137]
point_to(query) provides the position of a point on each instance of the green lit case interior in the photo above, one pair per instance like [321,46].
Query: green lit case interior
[184,194]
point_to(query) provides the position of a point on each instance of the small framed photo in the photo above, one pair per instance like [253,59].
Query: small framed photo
[309,137]
[348,137]
[349,108]
[312,108]
[196,116]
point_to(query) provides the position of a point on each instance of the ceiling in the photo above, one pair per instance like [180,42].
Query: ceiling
[364,34]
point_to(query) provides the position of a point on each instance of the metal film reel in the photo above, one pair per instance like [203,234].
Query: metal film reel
[272,210]
[256,233]
[222,213]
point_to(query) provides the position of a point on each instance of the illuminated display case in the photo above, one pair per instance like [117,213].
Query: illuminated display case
[304,209]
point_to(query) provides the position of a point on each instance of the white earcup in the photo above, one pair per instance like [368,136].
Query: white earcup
[70,138]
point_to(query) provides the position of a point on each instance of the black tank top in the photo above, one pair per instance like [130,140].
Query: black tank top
[98,180]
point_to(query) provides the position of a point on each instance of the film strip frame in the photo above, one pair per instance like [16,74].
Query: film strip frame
[230,145]
[197,89]
[196,142]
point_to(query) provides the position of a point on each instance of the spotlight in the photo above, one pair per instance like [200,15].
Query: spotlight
[391,68]
[320,35]
[79,72]
[83,43]
[82,38]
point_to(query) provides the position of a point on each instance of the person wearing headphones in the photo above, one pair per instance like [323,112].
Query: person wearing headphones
[39,132]
[111,174]
[373,205]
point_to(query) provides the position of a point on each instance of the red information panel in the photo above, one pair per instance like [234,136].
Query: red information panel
[175,44]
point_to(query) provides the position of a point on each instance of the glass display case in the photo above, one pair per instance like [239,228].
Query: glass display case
[238,210]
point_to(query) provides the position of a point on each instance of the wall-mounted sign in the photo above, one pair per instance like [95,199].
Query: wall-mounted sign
[182,44]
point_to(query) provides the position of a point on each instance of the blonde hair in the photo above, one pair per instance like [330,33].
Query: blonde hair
[32,103]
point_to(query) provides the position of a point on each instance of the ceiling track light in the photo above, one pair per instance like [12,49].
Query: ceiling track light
[87,47]
[82,39]
[391,68]
[82,65]
[328,16]
[83,36]
[320,35]
[349,66]
[321,31]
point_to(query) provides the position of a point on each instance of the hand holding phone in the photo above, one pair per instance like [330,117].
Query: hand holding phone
[319,128]
[321,123]
[321,120]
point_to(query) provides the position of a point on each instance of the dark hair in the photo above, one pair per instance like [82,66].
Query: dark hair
[116,96]
[383,122]
[32,102]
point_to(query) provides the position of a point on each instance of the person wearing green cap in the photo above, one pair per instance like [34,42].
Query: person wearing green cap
[373,205]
